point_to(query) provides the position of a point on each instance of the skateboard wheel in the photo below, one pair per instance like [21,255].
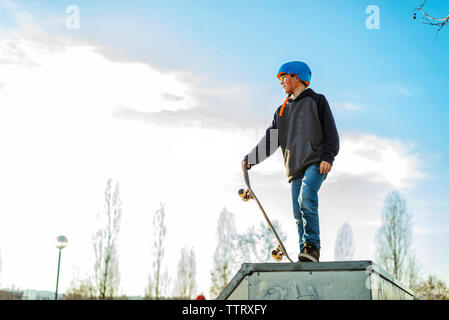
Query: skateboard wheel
[277,255]
[244,194]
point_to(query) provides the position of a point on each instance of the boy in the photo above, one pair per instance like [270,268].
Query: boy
[305,129]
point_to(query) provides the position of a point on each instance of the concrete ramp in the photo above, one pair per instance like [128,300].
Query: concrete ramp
[341,280]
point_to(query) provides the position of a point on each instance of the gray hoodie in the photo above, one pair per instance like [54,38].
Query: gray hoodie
[306,133]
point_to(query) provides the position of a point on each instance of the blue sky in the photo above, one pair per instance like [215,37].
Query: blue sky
[391,82]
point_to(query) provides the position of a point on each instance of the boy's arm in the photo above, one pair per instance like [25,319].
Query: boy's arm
[331,140]
[266,146]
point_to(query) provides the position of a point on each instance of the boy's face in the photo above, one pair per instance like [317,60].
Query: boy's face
[286,84]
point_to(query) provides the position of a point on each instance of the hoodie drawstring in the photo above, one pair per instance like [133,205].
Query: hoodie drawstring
[283,106]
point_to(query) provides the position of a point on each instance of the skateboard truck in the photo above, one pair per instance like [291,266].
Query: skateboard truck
[245,194]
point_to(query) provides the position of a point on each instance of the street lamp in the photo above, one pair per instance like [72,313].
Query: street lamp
[61,243]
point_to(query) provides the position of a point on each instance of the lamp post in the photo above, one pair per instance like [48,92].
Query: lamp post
[61,243]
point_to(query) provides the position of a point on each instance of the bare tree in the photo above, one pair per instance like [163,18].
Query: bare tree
[413,270]
[225,252]
[428,19]
[185,282]
[257,245]
[432,289]
[81,290]
[107,276]
[158,280]
[394,240]
[344,245]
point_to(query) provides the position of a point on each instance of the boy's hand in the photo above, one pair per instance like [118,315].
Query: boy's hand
[325,167]
[245,163]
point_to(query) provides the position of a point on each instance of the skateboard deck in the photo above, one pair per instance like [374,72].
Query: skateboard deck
[246,195]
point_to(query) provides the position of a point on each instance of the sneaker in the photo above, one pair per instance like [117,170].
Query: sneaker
[310,253]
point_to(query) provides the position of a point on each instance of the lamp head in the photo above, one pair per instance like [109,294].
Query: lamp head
[61,242]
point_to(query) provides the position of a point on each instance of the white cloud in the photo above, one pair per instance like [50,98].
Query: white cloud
[346,106]
[81,78]
[368,223]
[400,89]
[378,159]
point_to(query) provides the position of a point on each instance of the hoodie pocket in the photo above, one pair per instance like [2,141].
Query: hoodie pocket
[300,154]
[315,148]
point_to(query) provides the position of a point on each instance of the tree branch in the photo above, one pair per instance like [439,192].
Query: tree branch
[439,22]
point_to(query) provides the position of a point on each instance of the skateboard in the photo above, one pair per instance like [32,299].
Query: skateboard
[248,194]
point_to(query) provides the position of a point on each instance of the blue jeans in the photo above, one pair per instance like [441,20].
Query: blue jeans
[305,205]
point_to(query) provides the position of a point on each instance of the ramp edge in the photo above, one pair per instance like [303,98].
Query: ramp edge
[248,268]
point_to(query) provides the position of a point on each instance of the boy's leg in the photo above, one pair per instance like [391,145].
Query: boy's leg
[308,204]
[296,188]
